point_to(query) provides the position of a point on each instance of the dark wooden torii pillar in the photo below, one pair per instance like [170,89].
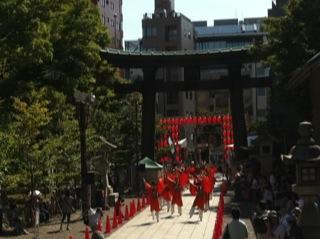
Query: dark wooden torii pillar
[237,108]
[148,112]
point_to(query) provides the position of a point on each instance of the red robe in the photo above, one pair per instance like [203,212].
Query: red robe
[176,191]
[164,189]
[152,194]
[200,198]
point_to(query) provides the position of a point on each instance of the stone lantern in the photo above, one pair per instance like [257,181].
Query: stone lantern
[305,155]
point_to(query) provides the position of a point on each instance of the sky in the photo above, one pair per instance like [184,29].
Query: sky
[195,10]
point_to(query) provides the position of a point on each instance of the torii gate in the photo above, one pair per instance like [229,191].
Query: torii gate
[192,62]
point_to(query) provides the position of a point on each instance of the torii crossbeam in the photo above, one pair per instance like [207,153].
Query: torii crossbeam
[192,62]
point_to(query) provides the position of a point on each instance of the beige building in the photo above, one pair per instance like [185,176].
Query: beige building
[112,19]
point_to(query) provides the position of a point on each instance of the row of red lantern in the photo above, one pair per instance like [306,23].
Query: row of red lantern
[197,120]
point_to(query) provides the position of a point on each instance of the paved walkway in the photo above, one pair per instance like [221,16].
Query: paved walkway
[176,227]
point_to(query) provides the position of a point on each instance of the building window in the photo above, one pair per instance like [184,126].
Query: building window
[261,92]
[171,33]
[112,5]
[149,32]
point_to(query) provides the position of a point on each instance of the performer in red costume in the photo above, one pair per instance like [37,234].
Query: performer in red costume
[199,200]
[176,193]
[152,194]
[164,191]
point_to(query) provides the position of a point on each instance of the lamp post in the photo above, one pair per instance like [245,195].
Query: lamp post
[82,99]
[115,30]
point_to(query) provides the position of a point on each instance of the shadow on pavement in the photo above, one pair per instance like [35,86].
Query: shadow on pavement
[144,224]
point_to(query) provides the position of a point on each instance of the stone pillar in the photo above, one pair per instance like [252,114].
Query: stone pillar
[148,112]
[237,109]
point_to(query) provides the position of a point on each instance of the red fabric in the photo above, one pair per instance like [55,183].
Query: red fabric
[193,189]
[153,196]
[184,179]
[207,184]
[160,185]
[175,189]
[177,197]
[166,194]
[199,200]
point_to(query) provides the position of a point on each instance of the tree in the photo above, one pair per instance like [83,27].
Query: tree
[53,43]
[48,48]
[292,40]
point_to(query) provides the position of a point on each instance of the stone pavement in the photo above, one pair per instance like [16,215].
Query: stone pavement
[170,227]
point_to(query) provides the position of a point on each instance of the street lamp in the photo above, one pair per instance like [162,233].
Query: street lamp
[115,30]
[82,99]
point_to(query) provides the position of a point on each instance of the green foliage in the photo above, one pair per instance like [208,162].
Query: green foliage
[50,42]
[47,49]
[292,40]
[121,125]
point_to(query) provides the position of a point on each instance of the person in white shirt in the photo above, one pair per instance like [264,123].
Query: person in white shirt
[236,229]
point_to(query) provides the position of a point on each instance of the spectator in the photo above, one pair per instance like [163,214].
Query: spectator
[295,231]
[255,189]
[119,203]
[93,217]
[260,220]
[275,230]
[268,196]
[96,233]
[15,221]
[67,209]
[236,229]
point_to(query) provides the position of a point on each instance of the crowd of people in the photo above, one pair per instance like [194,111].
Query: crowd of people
[167,189]
[278,208]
